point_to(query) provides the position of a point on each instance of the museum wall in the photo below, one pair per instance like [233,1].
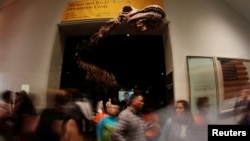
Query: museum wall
[204,28]
[31,48]
[28,31]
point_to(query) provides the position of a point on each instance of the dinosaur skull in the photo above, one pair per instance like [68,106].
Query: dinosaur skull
[149,17]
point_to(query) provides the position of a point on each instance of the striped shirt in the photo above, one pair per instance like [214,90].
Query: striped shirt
[130,127]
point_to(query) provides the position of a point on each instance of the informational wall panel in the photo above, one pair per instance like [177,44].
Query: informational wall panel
[202,82]
[102,9]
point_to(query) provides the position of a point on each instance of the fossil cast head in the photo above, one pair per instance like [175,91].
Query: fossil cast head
[148,18]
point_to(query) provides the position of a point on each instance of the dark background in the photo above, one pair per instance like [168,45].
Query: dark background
[136,61]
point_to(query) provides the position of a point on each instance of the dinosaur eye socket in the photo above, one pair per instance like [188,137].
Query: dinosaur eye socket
[127,9]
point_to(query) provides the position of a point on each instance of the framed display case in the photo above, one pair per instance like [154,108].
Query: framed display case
[233,76]
[202,82]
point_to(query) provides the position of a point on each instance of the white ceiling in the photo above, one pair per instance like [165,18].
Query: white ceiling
[241,6]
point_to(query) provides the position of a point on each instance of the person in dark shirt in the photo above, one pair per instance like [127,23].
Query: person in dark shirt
[241,104]
[124,102]
[51,118]
[246,118]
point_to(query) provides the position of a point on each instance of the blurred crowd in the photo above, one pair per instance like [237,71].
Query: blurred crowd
[72,117]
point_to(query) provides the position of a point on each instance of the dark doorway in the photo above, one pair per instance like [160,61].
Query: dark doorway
[136,61]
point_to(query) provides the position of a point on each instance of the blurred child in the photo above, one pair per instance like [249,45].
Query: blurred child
[107,124]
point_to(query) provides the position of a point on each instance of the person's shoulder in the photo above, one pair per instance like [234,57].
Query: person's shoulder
[238,103]
[71,124]
[248,105]
[125,112]
[244,120]
[108,119]
[3,105]
[2,102]
[198,119]
[105,119]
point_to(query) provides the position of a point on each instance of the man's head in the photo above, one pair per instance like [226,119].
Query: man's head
[244,93]
[181,107]
[137,101]
[202,104]
[113,109]
[6,95]
[126,96]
